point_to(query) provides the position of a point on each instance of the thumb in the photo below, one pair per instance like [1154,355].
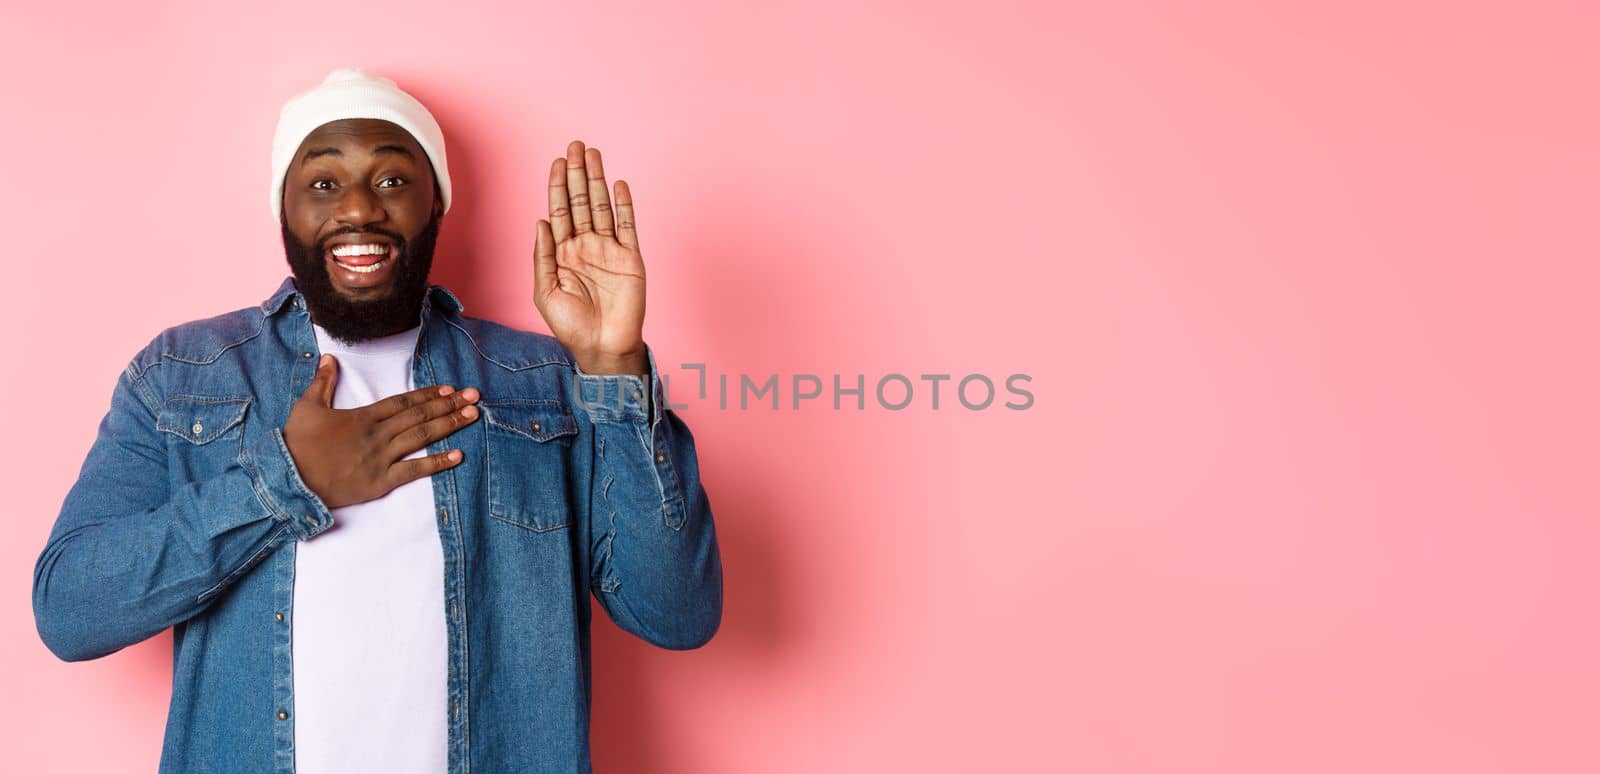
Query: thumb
[544,263]
[322,384]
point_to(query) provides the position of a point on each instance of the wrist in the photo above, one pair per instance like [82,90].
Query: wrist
[632,363]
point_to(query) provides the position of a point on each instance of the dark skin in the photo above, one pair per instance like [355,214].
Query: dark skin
[371,177]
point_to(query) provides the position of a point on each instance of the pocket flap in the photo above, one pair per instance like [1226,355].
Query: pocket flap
[539,420]
[201,419]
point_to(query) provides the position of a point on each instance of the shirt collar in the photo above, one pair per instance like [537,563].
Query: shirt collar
[281,296]
[438,295]
[441,298]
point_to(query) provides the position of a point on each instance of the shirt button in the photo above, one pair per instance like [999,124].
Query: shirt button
[306,355]
[536,426]
[312,520]
[444,515]
[198,428]
[283,715]
[661,457]
[278,615]
[638,394]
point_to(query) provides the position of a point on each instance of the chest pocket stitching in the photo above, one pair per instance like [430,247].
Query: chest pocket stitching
[519,430]
[537,420]
[214,416]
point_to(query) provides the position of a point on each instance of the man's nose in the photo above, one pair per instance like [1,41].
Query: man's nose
[359,206]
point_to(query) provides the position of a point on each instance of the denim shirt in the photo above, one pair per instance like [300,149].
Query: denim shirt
[188,509]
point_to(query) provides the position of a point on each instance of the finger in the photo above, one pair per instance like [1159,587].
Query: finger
[419,436]
[560,208]
[578,188]
[544,261]
[323,382]
[599,202]
[394,404]
[406,471]
[626,233]
[425,411]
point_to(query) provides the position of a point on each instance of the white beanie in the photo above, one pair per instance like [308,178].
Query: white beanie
[351,93]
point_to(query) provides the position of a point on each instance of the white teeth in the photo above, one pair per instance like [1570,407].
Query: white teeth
[349,250]
[362,269]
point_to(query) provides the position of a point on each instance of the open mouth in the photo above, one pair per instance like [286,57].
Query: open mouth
[363,264]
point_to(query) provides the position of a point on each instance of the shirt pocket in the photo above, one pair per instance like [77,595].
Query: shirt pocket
[526,462]
[204,434]
[204,420]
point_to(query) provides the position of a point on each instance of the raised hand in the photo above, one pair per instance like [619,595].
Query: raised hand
[353,455]
[588,273]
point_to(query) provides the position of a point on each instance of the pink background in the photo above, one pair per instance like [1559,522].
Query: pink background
[1307,298]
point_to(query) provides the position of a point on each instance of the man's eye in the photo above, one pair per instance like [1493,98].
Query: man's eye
[316,183]
[398,181]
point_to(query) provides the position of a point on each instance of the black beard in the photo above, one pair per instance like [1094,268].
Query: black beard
[355,321]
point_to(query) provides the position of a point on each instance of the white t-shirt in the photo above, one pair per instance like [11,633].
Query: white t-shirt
[370,660]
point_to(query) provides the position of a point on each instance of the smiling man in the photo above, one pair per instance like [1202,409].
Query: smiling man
[372,521]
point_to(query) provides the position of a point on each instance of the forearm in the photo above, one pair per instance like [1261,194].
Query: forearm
[115,580]
[129,556]
[657,568]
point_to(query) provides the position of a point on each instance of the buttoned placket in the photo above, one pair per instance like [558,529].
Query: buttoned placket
[302,370]
[445,502]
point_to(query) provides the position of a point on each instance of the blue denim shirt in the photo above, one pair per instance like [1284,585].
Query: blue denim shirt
[188,510]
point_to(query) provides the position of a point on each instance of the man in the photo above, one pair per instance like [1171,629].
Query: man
[372,521]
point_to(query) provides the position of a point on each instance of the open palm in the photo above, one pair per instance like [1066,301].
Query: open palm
[588,273]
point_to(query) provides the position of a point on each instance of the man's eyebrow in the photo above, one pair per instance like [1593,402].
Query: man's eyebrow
[331,151]
[394,149]
[315,152]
